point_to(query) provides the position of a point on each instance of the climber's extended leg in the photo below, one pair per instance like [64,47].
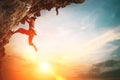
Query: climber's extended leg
[23,31]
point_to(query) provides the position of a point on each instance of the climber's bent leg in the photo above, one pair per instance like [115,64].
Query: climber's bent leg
[30,42]
[34,47]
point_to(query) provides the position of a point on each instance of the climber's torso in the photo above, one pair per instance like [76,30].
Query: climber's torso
[31,28]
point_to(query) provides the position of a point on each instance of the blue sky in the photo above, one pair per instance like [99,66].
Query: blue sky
[83,33]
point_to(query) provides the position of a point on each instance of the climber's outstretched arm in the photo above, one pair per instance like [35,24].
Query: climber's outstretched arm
[28,19]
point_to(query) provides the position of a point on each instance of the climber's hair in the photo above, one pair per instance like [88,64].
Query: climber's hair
[33,18]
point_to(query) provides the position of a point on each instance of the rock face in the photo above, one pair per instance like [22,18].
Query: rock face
[14,11]
[10,17]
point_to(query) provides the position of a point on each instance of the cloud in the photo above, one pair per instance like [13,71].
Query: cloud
[89,51]
[107,70]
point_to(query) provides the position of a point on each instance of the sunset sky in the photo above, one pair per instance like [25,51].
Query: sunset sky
[85,33]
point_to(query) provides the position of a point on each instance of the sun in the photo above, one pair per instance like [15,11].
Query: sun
[45,67]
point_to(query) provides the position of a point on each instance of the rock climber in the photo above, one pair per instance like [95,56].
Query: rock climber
[30,32]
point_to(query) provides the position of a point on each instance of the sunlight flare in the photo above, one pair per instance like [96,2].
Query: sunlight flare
[45,67]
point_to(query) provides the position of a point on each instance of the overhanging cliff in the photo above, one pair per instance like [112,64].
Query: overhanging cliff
[14,11]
